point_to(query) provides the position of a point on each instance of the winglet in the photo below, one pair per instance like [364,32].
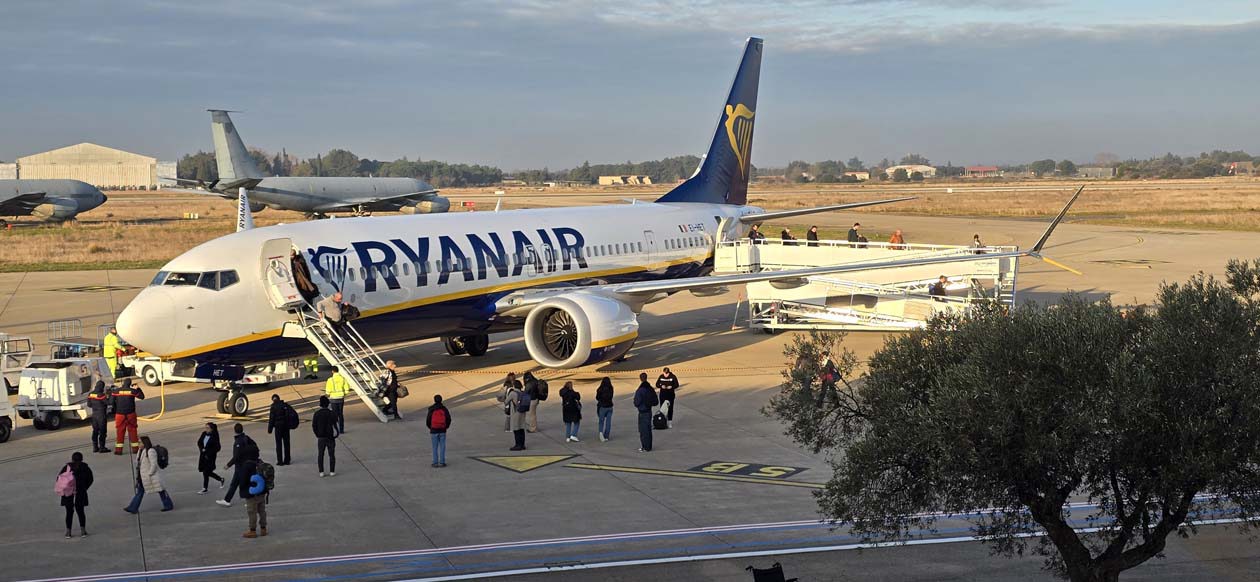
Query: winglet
[1045,236]
[244,218]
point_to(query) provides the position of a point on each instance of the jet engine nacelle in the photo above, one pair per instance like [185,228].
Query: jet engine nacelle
[578,329]
[431,205]
[257,207]
[58,209]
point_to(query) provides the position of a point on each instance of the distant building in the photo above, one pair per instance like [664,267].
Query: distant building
[513,182]
[625,180]
[1240,168]
[862,176]
[166,174]
[982,172]
[566,184]
[8,171]
[1096,172]
[105,168]
[927,171]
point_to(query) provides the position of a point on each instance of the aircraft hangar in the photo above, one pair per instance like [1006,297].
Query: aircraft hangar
[103,167]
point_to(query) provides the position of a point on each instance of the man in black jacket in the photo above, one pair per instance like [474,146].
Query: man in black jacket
[98,402]
[390,382]
[667,383]
[324,425]
[438,420]
[278,424]
[243,449]
[644,400]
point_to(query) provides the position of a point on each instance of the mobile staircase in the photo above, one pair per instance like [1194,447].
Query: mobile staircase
[361,366]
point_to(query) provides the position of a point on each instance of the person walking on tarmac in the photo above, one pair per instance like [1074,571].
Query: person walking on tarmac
[109,348]
[509,384]
[278,424]
[243,449]
[537,390]
[667,383]
[517,404]
[149,478]
[324,425]
[207,454]
[644,400]
[98,403]
[604,408]
[390,382]
[74,491]
[125,419]
[255,500]
[336,389]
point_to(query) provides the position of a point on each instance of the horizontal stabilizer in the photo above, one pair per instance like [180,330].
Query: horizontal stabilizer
[755,218]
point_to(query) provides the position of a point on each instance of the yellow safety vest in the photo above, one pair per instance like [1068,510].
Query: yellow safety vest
[111,345]
[336,387]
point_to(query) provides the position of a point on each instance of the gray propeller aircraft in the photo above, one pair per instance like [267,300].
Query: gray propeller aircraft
[51,200]
[316,196]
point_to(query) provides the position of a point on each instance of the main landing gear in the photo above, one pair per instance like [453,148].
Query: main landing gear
[232,400]
[473,345]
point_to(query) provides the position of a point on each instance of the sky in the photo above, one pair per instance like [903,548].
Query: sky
[532,83]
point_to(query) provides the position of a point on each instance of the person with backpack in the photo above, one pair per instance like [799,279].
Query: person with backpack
[510,383]
[644,400]
[604,408]
[438,421]
[517,402]
[667,384]
[72,485]
[571,412]
[537,390]
[243,449]
[207,453]
[324,425]
[98,403]
[280,419]
[151,462]
[255,491]
[336,389]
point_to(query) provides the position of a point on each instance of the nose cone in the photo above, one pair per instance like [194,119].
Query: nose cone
[149,322]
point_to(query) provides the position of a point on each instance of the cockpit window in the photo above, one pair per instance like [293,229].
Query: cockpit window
[159,278]
[182,279]
[227,279]
[209,281]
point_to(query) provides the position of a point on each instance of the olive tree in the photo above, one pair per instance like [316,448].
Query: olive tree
[1149,418]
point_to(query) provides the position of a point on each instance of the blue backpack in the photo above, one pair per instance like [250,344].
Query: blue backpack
[522,401]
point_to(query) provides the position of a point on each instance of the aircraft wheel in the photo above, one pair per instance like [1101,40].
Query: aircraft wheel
[476,345]
[39,423]
[52,420]
[221,404]
[6,429]
[455,346]
[150,376]
[239,404]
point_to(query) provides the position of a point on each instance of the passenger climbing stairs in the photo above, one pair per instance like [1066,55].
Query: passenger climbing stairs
[354,357]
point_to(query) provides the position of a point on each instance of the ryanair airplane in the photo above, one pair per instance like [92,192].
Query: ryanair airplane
[574,278]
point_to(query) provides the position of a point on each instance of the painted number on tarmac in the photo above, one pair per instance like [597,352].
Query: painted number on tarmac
[747,469]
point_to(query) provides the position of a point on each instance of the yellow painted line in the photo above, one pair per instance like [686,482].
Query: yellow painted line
[523,284]
[614,341]
[690,475]
[523,463]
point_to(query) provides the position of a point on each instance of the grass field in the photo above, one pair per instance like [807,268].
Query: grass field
[146,229]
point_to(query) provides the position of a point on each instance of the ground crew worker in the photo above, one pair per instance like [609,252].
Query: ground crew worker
[312,367]
[125,415]
[112,344]
[98,402]
[336,389]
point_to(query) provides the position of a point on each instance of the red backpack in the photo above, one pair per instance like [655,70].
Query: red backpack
[440,420]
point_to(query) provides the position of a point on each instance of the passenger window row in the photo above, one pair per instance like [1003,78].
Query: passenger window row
[674,244]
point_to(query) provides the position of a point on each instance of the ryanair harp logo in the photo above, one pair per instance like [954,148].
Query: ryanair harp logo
[739,129]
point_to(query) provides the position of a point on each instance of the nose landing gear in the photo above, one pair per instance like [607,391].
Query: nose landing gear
[232,400]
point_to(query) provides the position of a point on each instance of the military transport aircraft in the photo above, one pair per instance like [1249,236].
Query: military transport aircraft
[52,200]
[574,278]
[317,196]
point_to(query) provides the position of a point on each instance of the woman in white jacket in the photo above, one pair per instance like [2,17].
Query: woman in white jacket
[148,477]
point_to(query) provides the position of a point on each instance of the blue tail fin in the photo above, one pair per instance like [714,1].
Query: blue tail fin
[724,172]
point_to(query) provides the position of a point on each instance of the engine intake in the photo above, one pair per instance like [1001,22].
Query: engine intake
[432,205]
[58,209]
[577,329]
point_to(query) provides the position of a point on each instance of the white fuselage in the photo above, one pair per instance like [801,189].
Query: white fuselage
[412,276]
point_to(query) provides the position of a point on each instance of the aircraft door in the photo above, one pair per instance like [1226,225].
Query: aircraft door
[649,244]
[277,275]
[728,229]
[529,261]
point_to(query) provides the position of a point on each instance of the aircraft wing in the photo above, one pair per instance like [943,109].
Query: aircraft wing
[21,203]
[392,202]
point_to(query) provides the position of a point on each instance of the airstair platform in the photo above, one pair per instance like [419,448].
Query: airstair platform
[884,299]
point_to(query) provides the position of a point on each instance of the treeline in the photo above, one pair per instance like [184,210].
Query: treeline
[339,162]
